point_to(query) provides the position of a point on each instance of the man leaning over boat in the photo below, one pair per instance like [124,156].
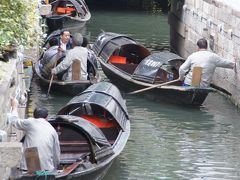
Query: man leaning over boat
[39,133]
[207,61]
[77,53]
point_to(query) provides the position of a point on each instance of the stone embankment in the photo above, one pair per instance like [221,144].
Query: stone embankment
[14,82]
[216,20]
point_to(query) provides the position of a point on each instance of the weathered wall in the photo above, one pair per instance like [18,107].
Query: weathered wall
[12,84]
[217,22]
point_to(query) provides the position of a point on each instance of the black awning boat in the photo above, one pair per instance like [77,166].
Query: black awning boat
[74,86]
[68,14]
[93,130]
[132,67]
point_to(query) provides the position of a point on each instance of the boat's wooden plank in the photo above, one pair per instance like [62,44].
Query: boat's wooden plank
[76,67]
[196,76]
[67,170]
[32,159]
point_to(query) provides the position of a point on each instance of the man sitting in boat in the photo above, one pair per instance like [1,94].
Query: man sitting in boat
[205,59]
[77,53]
[65,42]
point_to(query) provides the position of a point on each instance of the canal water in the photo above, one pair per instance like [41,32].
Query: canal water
[167,141]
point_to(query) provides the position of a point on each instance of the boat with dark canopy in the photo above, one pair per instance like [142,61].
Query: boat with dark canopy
[67,14]
[132,67]
[93,130]
[47,61]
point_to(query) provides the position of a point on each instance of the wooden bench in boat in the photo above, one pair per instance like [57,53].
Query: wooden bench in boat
[76,69]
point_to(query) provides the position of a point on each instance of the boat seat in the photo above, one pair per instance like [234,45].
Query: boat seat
[76,68]
[118,59]
[74,146]
[65,10]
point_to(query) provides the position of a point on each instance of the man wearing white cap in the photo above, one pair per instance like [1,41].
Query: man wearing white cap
[77,53]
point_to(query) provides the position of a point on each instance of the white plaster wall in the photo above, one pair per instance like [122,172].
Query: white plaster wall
[234,4]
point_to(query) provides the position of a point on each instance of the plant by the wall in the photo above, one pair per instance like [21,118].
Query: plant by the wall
[18,23]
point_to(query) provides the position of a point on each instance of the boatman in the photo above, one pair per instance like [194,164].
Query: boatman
[205,59]
[77,53]
[38,133]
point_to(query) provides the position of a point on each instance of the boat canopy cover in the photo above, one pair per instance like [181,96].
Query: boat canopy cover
[104,94]
[148,67]
[47,61]
[108,42]
[78,4]
[90,130]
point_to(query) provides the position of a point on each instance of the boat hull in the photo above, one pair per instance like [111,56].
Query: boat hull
[67,15]
[132,67]
[90,142]
[64,22]
[189,96]
[67,87]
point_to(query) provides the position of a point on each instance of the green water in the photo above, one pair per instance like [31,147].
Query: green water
[167,141]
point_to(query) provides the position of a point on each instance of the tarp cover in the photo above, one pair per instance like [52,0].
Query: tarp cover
[148,67]
[78,4]
[108,42]
[86,127]
[105,95]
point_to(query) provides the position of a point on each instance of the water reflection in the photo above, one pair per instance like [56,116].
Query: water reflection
[150,29]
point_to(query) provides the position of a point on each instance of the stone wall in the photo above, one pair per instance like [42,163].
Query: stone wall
[216,21]
[12,83]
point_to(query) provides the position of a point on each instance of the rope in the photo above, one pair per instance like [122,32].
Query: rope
[41,173]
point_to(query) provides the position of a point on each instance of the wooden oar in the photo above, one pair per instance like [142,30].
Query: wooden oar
[69,169]
[51,80]
[152,87]
[50,84]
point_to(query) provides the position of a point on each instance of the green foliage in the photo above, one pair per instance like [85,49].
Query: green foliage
[18,22]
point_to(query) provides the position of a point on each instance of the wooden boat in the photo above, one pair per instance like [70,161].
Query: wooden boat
[67,14]
[93,130]
[131,66]
[44,65]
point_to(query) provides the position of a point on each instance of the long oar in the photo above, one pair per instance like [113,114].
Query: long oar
[152,87]
[50,84]
[69,169]
[51,80]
